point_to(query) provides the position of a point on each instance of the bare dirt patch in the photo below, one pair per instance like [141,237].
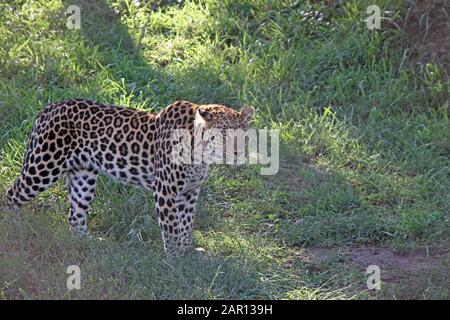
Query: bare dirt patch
[385,258]
[424,24]
[415,275]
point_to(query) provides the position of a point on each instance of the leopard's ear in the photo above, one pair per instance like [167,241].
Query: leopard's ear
[202,117]
[205,114]
[247,113]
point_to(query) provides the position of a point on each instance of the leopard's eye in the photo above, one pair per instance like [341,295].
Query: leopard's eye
[212,138]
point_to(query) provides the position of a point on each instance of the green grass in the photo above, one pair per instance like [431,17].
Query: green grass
[364,148]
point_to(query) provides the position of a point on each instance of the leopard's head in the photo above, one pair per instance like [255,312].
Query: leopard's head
[223,132]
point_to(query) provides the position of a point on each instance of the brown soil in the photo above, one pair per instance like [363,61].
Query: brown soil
[383,257]
[425,26]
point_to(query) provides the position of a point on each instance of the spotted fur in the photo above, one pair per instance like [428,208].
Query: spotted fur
[81,138]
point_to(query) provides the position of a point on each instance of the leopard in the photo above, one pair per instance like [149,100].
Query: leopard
[81,139]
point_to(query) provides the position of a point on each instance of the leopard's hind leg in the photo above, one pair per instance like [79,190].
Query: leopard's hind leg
[81,184]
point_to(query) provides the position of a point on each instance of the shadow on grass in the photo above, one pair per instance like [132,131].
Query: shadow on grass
[101,27]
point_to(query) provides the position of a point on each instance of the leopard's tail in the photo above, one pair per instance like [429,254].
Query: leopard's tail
[20,192]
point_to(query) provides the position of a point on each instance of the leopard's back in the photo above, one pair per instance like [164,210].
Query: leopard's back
[81,133]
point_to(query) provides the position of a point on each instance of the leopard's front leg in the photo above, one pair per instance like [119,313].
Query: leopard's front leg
[186,209]
[176,223]
[186,201]
[176,209]
[168,220]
